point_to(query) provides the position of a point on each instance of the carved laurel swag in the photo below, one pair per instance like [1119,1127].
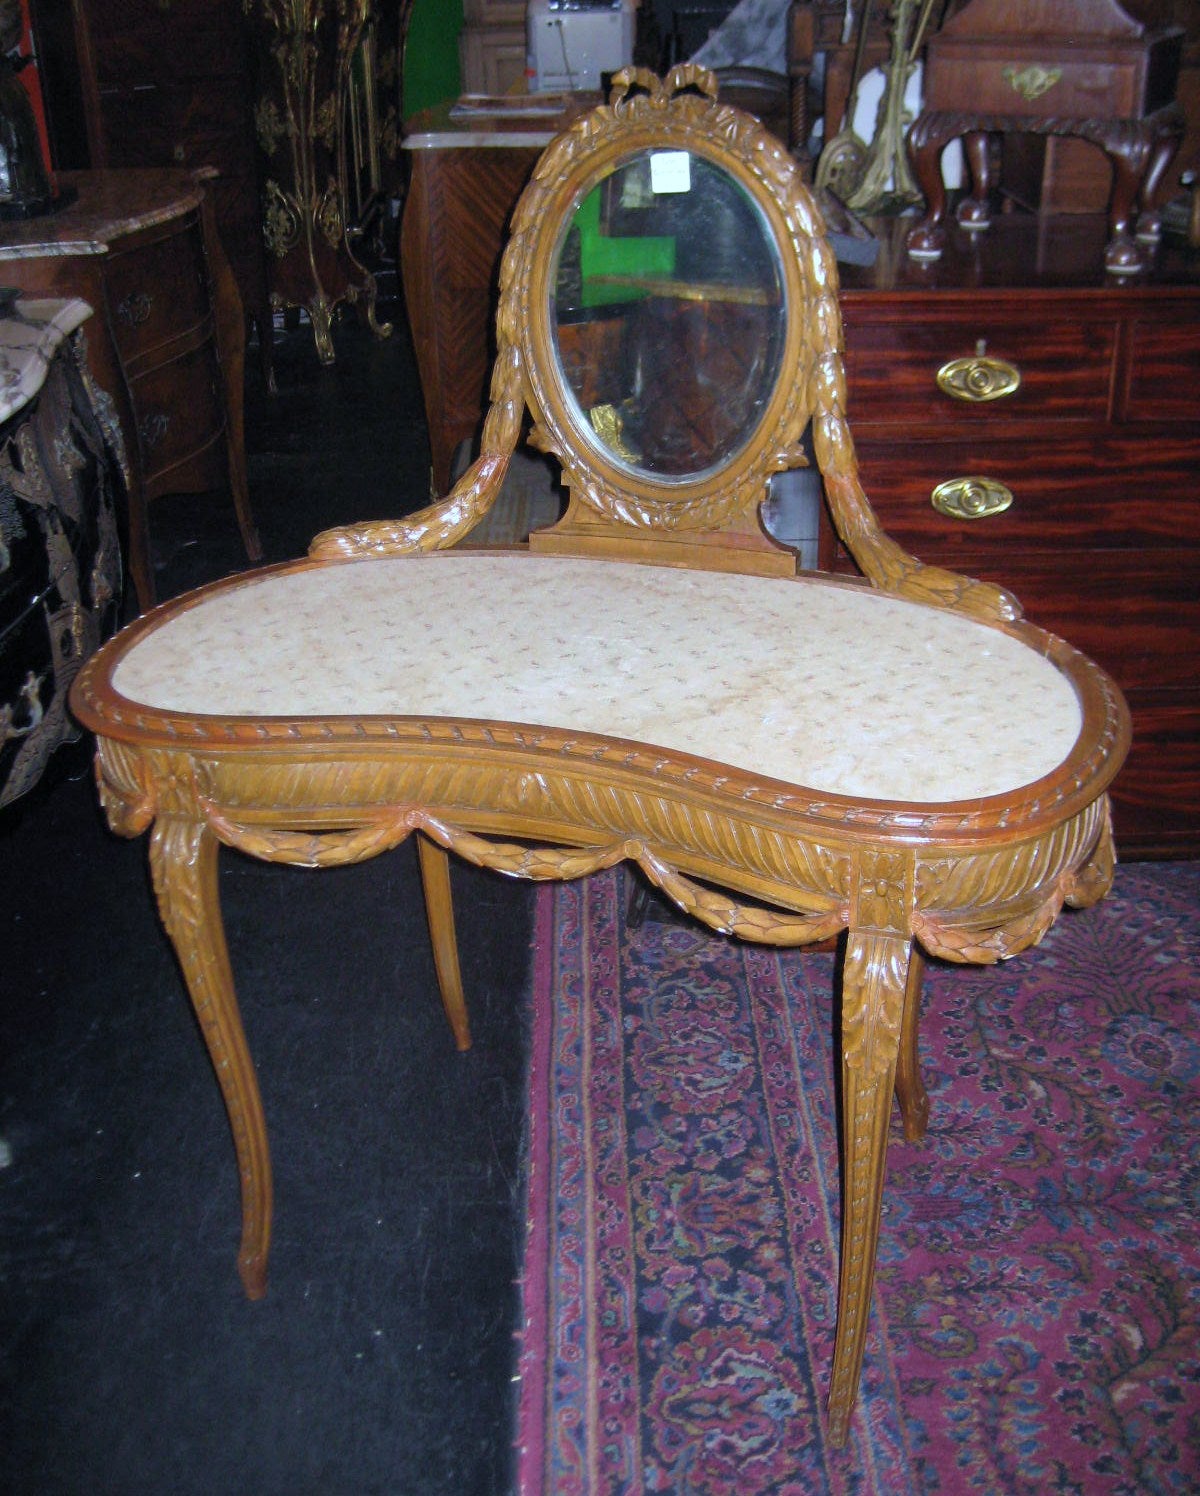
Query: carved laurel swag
[519,860]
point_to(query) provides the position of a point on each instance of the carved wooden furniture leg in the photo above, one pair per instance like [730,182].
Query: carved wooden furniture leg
[975,212]
[874,980]
[925,145]
[910,1088]
[183,864]
[1128,157]
[1162,152]
[439,911]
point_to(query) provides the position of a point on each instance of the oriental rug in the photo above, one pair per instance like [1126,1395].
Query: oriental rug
[1036,1304]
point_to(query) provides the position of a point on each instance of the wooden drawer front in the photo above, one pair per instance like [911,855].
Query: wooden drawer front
[1156,796]
[1164,376]
[178,410]
[892,368]
[1137,613]
[157,291]
[1067,495]
[1026,82]
[140,40]
[204,126]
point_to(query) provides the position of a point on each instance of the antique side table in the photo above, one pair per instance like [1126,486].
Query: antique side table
[168,342]
[468,169]
[1092,72]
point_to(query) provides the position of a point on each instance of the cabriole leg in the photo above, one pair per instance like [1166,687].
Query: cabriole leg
[874,980]
[439,910]
[183,863]
[910,1088]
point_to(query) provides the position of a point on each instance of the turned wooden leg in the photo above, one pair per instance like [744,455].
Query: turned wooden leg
[875,977]
[439,910]
[183,864]
[910,1088]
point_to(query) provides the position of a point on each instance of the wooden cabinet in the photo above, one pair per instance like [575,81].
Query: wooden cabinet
[466,177]
[492,46]
[167,345]
[1098,443]
[165,83]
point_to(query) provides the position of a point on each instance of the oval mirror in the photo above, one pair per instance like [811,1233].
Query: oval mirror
[668,315]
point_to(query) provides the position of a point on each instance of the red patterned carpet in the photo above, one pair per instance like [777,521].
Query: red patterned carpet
[1036,1302]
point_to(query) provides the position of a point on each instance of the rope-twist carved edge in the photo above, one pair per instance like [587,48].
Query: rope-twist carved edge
[445,523]
[1074,864]
[683,109]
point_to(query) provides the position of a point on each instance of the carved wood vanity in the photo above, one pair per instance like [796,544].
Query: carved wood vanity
[901,759]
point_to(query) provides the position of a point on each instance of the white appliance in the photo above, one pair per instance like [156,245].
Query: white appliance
[571,42]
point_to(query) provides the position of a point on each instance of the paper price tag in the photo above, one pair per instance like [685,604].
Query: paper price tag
[670,171]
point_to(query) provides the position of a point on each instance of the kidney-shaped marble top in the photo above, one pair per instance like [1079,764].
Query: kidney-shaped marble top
[837,688]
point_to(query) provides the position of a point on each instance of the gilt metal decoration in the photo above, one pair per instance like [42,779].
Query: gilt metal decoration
[1031,82]
[308,47]
[887,183]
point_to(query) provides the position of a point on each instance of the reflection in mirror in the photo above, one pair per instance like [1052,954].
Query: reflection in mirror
[668,312]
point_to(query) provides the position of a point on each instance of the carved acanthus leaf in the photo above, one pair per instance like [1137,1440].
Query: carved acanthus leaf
[873,982]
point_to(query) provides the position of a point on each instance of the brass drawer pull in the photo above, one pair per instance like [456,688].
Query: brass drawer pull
[979,377]
[153,428]
[135,308]
[970,498]
[1033,81]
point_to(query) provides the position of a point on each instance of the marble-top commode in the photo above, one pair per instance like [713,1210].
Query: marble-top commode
[766,675]
[30,334]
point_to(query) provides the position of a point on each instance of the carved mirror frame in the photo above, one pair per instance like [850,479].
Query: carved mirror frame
[711,520]
[645,115]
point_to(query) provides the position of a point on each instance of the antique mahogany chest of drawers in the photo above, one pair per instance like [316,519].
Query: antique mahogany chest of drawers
[1021,419]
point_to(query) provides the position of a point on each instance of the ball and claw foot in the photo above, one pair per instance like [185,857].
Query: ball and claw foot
[925,243]
[1123,257]
[973,214]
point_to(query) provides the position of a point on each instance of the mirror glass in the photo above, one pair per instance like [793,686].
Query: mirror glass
[668,314]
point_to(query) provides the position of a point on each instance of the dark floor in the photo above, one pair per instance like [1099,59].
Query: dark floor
[381,1359]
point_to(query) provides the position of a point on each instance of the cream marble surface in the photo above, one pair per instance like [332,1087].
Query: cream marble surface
[770,676]
[482,139]
[30,335]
